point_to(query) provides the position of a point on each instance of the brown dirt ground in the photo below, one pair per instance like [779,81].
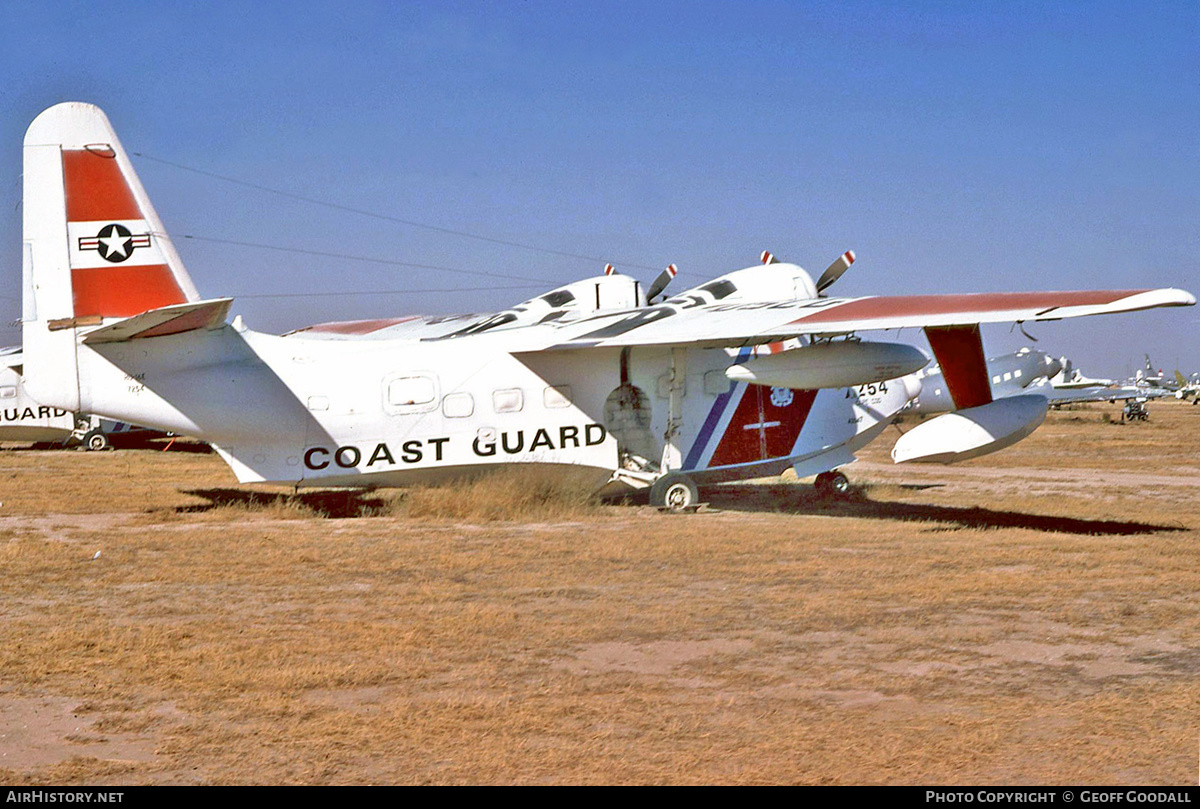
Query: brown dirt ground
[1027,618]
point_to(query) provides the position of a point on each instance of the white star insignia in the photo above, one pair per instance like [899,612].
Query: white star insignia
[115,242]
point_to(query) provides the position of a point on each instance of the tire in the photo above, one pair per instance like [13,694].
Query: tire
[674,493]
[832,484]
[95,440]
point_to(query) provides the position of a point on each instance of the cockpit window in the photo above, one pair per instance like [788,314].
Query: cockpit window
[720,289]
[558,298]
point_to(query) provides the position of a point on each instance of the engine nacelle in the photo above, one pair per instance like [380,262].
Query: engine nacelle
[830,365]
[972,432]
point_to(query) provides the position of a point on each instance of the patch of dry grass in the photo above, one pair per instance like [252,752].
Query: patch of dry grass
[513,493]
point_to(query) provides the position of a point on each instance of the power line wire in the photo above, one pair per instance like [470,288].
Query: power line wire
[393,262]
[385,217]
[377,292]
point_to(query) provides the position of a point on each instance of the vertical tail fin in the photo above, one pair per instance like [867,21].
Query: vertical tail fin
[94,246]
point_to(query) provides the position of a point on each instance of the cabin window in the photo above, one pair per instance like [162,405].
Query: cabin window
[411,390]
[458,405]
[8,392]
[557,396]
[410,393]
[510,400]
[719,289]
[558,298]
[664,386]
[716,383]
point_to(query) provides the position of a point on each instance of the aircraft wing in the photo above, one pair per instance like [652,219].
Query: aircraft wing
[684,322]
[1095,393]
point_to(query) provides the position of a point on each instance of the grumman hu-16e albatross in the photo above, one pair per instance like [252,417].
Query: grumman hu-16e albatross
[744,376]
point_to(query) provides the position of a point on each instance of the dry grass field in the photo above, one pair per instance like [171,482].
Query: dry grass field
[1026,618]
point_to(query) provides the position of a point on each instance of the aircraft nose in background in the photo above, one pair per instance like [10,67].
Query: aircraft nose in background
[1053,366]
[912,386]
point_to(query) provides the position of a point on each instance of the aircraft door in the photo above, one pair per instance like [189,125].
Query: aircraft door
[627,413]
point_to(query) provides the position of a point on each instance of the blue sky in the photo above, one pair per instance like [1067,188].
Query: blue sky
[955,147]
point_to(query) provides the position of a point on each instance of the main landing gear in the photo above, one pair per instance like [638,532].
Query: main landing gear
[832,484]
[674,492]
[95,440]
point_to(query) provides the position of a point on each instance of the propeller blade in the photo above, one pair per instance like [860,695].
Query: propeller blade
[660,283]
[835,270]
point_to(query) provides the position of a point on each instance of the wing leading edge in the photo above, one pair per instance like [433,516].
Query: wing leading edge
[731,324]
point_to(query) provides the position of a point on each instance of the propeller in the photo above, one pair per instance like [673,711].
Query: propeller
[660,283]
[834,271]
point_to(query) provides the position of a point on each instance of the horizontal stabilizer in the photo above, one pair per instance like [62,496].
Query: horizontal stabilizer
[175,319]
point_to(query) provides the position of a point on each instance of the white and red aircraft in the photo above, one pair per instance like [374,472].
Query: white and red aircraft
[745,376]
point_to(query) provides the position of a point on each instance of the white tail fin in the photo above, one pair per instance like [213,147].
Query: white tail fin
[94,247]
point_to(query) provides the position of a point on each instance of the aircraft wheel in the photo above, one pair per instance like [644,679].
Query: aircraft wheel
[832,484]
[95,441]
[674,492]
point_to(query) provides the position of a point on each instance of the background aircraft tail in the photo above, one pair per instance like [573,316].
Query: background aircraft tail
[94,248]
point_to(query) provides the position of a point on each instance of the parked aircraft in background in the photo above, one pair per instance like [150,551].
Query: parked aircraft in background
[1148,378]
[1186,388]
[1101,393]
[26,421]
[744,376]
[1008,375]
[1071,386]
[22,418]
[1069,376]
[1025,372]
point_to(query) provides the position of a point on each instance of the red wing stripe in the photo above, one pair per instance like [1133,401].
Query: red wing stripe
[357,326]
[917,305]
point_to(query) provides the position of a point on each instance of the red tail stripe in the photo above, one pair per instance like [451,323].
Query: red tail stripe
[123,291]
[96,189]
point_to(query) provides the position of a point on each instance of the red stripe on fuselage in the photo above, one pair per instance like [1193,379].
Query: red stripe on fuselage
[96,190]
[748,437]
